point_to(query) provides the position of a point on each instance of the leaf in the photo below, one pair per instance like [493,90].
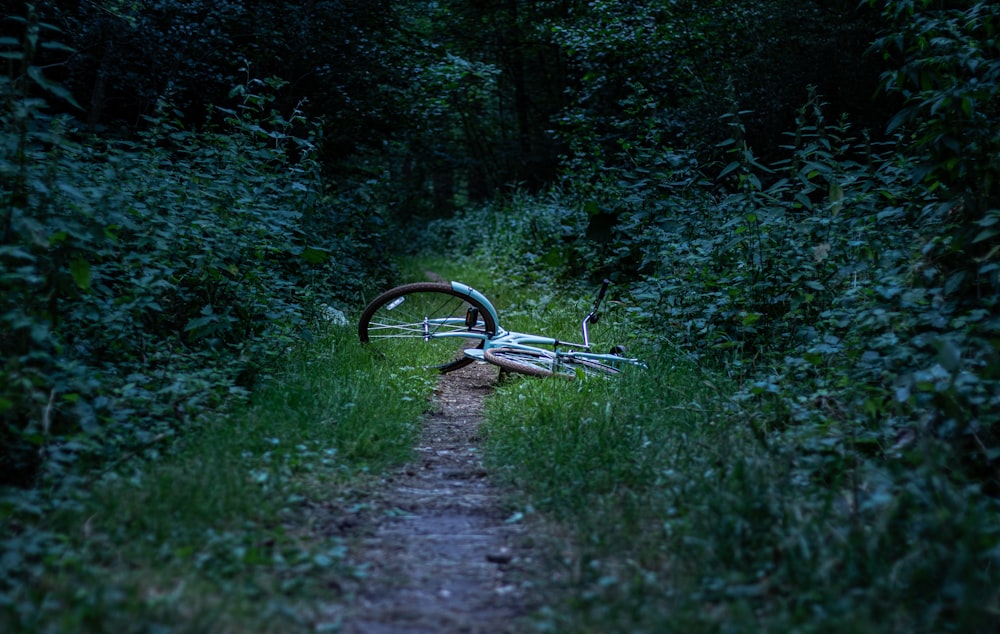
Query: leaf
[903,116]
[950,356]
[316,255]
[56,89]
[58,46]
[80,270]
[836,197]
[554,258]
[322,561]
[813,358]
[903,393]
[200,322]
[729,168]
[986,234]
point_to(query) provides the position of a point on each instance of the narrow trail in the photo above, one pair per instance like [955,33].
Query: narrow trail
[442,558]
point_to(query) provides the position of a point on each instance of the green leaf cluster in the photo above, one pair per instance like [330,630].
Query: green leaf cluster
[147,282]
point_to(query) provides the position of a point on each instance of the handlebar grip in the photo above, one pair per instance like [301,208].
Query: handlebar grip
[600,295]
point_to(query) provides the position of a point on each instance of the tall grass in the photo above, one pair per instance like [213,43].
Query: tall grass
[236,529]
[675,512]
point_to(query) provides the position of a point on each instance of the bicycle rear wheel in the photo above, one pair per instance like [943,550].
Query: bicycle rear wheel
[424,323]
[543,363]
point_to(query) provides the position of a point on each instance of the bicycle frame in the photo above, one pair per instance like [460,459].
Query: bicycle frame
[524,341]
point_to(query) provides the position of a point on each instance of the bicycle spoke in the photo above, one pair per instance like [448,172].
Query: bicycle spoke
[425,322]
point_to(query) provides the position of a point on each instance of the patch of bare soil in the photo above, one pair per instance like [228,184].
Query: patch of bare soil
[442,557]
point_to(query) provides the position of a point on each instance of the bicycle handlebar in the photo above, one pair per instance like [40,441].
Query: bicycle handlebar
[592,316]
[600,295]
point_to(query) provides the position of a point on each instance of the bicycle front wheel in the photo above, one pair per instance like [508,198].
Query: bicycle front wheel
[426,323]
[543,363]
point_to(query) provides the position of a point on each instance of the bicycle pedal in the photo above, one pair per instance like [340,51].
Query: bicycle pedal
[471,317]
[618,351]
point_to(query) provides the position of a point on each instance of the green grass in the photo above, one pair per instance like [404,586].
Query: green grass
[602,461]
[235,529]
[666,507]
[671,511]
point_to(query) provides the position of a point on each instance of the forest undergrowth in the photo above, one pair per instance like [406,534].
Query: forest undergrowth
[234,528]
[815,446]
[149,286]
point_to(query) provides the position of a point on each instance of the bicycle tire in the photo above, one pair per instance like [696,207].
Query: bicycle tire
[395,320]
[544,364]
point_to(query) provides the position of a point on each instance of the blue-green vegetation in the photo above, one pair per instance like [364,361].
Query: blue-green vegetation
[798,205]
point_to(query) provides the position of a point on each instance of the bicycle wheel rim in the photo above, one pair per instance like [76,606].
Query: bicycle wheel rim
[527,362]
[543,363]
[589,367]
[422,324]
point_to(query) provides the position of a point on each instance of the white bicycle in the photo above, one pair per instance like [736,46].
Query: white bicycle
[450,325]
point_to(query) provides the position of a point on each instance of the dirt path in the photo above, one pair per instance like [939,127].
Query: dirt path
[442,558]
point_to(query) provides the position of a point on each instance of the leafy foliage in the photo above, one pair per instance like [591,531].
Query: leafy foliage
[950,78]
[673,517]
[843,280]
[675,65]
[848,290]
[339,60]
[146,282]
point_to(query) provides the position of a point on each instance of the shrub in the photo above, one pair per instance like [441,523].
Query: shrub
[147,281]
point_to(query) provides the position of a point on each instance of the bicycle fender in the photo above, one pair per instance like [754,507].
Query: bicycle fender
[465,289]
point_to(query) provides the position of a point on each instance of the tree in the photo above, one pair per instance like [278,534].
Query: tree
[337,59]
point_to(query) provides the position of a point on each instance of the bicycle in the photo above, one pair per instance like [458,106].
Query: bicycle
[456,325]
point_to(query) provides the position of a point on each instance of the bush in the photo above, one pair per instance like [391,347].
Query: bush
[146,282]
